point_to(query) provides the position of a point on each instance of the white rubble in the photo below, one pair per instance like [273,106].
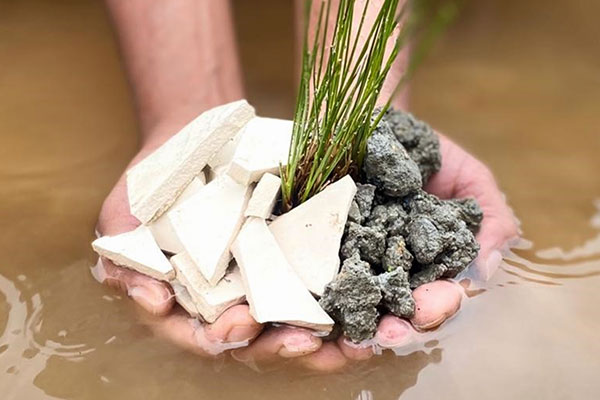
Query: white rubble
[156,182]
[263,147]
[136,250]
[161,228]
[206,224]
[184,299]
[273,290]
[221,160]
[310,234]
[264,197]
[210,302]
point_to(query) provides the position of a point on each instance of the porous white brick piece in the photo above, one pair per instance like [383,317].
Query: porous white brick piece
[209,301]
[155,183]
[310,234]
[273,290]
[184,299]
[206,224]
[161,228]
[136,250]
[264,197]
[263,147]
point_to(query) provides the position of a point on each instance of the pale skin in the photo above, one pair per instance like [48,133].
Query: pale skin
[181,59]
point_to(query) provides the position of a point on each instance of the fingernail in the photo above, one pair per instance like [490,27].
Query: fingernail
[153,298]
[240,333]
[300,343]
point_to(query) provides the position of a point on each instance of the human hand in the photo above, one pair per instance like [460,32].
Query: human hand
[166,319]
[461,176]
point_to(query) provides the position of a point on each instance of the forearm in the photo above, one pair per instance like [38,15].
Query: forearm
[180,57]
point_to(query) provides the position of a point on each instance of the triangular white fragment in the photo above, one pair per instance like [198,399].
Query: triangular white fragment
[264,197]
[136,250]
[310,234]
[263,147]
[161,228]
[207,223]
[209,301]
[273,290]
[155,182]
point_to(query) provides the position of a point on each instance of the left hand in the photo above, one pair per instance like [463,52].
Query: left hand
[461,175]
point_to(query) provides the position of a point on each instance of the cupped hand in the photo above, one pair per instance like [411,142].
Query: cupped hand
[234,328]
[461,176]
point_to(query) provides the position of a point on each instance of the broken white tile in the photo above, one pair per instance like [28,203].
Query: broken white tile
[161,228]
[207,223]
[263,147]
[210,301]
[136,250]
[273,290]
[310,234]
[264,197]
[156,182]
[223,157]
[184,299]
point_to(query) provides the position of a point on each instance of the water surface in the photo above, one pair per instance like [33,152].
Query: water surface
[518,83]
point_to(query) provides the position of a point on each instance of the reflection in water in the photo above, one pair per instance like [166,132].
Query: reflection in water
[505,82]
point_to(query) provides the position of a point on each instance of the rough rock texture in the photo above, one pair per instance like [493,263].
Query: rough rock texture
[437,235]
[352,299]
[419,140]
[388,166]
[390,216]
[469,211]
[397,296]
[365,242]
[397,255]
[362,203]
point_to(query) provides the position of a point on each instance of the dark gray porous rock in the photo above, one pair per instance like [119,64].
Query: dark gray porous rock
[419,140]
[397,255]
[351,299]
[469,211]
[365,242]
[388,166]
[397,296]
[438,236]
[360,209]
[389,216]
[428,273]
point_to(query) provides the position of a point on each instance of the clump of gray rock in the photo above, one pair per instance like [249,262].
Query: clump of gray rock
[398,236]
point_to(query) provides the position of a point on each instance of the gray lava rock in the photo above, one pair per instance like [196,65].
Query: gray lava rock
[365,242]
[389,216]
[360,209]
[351,299]
[469,211]
[388,166]
[427,274]
[438,236]
[397,296]
[419,140]
[397,255]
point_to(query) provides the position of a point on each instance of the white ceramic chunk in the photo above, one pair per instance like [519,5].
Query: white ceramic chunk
[221,160]
[264,197]
[210,301]
[161,228]
[156,182]
[184,299]
[310,234]
[264,145]
[273,290]
[136,250]
[206,224]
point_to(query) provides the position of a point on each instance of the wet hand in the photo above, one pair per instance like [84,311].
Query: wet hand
[461,175]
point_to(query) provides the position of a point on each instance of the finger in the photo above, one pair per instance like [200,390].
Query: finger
[355,351]
[277,342]
[434,303]
[234,325]
[329,358]
[393,332]
[154,296]
[228,332]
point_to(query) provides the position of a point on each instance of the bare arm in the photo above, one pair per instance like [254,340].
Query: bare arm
[180,57]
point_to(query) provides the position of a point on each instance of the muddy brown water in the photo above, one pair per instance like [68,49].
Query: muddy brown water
[518,83]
